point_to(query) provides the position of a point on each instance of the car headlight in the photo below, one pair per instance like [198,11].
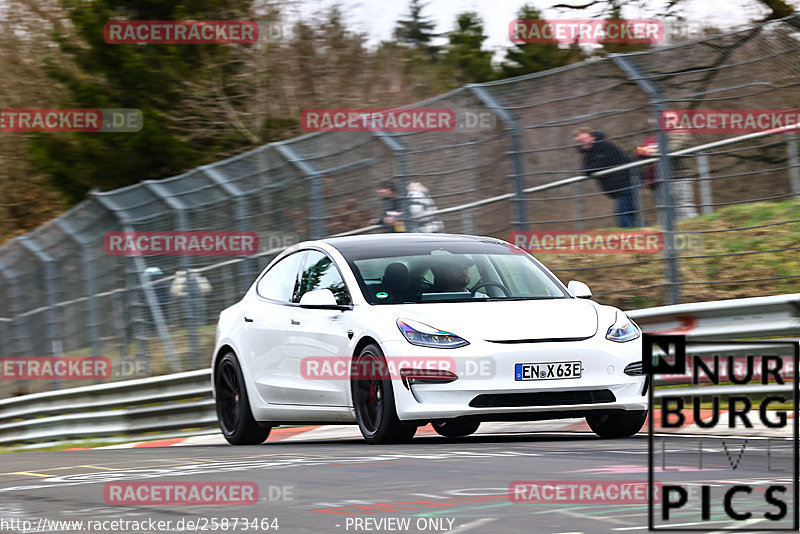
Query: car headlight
[426,336]
[623,329]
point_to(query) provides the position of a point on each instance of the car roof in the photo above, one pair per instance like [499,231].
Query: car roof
[359,243]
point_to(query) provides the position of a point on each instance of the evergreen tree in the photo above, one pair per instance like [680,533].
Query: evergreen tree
[416,31]
[621,48]
[151,78]
[465,51]
[525,58]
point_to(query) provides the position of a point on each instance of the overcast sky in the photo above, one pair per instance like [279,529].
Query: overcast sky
[377,18]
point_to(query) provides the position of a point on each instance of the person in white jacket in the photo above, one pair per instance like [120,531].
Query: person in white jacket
[420,204]
[179,288]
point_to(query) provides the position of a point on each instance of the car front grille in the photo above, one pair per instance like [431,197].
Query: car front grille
[542,398]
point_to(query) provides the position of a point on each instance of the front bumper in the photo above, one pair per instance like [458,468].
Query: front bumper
[486,388]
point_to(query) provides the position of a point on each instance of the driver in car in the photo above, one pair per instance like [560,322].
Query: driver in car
[453,276]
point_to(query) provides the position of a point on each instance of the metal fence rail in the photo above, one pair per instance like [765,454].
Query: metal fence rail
[181,403]
[61,294]
[757,317]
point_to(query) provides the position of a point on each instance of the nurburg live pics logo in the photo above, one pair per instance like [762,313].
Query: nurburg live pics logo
[734,496]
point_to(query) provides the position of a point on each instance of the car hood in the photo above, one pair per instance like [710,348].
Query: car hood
[508,322]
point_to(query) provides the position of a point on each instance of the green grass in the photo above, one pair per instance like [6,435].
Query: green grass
[699,273]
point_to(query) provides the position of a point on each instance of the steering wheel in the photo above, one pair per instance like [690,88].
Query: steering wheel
[502,287]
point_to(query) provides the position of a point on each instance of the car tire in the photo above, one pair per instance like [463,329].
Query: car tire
[456,428]
[233,405]
[373,399]
[623,425]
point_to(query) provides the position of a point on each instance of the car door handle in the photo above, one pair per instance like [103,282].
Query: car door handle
[248,320]
[295,322]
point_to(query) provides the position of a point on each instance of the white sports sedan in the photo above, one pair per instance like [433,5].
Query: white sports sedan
[394,331]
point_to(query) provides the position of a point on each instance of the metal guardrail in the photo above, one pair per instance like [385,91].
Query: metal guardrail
[177,403]
[182,403]
[749,318]
[733,319]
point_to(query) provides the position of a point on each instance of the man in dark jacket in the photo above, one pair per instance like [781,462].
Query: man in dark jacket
[392,208]
[599,154]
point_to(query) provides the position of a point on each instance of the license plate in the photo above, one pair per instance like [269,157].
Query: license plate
[547,370]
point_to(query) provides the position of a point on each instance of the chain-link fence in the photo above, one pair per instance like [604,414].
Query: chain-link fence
[62,294]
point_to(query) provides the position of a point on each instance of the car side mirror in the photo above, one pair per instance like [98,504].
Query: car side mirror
[320,298]
[579,289]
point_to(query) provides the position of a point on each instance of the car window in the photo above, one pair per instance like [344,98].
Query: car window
[513,274]
[319,272]
[281,281]
[439,275]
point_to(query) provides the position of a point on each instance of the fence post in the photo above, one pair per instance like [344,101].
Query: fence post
[703,170]
[118,315]
[400,175]
[515,138]
[317,217]
[55,345]
[577,203]
[247,270]
[467,220]
[189,303]
[49,290]
[20,342]
[666,205]
[88,275]
[6,325]
[139,267]
[794,163]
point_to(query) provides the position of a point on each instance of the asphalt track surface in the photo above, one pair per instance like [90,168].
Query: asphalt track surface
[437,484]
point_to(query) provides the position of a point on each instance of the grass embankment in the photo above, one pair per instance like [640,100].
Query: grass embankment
[731,249]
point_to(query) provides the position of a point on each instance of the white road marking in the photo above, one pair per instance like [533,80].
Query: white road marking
[699,523]
[592,517]
[469,526]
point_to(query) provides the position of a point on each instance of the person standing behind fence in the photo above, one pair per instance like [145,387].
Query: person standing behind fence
[180,285]
[160,292]
[421,207]
[390,219]
[190,290]
[682,175]
[646,149]
[599,154]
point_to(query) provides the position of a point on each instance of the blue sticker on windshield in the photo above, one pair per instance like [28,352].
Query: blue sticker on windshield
[382,295]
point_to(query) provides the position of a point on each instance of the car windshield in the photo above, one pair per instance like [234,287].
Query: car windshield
[451,271]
